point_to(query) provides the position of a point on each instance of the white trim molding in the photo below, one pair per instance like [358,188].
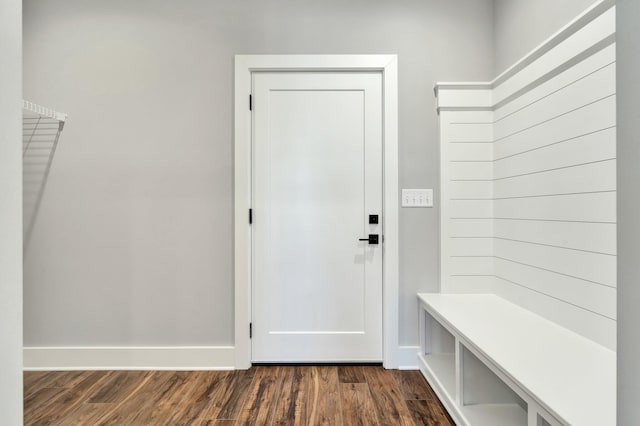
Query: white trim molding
[244,66]
[591,31]
[129,358]
[407,357]
[591,14]
[581,21]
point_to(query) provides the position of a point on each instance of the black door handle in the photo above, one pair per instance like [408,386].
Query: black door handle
[373,239]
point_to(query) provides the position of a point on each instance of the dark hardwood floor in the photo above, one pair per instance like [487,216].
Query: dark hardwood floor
[274,395]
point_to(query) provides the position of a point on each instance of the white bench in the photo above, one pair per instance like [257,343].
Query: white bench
[494,363]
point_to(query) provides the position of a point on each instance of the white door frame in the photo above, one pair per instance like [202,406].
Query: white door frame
[244,66]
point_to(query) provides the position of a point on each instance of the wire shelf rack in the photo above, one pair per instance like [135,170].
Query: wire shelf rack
[41,128]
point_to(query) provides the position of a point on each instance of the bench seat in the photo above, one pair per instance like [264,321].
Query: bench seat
[562,377]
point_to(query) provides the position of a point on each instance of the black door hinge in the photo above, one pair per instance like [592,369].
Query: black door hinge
[250,330]
[250,216]
[250,103]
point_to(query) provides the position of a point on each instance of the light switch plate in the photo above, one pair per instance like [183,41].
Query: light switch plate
[417,198]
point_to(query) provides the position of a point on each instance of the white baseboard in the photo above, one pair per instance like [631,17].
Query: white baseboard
[408,357]
[153,358]
[129,358]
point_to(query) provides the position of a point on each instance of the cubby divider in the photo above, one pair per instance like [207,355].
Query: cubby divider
[486,399]
[439,353]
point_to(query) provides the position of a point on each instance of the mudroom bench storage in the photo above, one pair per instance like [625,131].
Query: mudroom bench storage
[492,362]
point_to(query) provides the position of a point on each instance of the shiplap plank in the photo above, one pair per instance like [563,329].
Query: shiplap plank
[596,86]
[471,246]
[467,117]
[598,237]
[595,327]
[598,268]
[470,283]
[470,227]
[591,118]
[580,150]
[464,208]
[470,189]
[471,152]
[470,132]
[598,207]
[471,265]
[470,171]
[587,66]
[593,177]
[593,297]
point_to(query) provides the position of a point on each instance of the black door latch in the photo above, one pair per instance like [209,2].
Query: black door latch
[373,239]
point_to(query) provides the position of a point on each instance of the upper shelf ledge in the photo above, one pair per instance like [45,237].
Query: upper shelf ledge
[43,111]
[598,36]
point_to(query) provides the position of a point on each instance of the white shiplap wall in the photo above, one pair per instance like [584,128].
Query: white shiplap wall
[467,167]
[528,174]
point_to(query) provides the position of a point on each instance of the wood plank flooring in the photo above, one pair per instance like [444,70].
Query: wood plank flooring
[273,395]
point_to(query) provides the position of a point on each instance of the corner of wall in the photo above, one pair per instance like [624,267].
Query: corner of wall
[11,212]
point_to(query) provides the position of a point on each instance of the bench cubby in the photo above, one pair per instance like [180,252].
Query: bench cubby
[494,363]
[439,353]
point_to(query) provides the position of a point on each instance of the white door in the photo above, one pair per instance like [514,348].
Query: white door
[317,178]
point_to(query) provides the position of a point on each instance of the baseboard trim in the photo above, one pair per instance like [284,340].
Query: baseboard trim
[408,357]
[129,358]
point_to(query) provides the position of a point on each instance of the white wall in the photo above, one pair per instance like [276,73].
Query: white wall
[10,213]
[628,43]
[521,25]
[133,243]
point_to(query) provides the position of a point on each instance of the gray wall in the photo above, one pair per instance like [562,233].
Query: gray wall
[628,66]
[521,25]
[10,214]
[133,242]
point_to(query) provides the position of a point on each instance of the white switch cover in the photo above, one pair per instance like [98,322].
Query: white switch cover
[417,198]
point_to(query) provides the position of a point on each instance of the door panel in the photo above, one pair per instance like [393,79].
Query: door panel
[317,175]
